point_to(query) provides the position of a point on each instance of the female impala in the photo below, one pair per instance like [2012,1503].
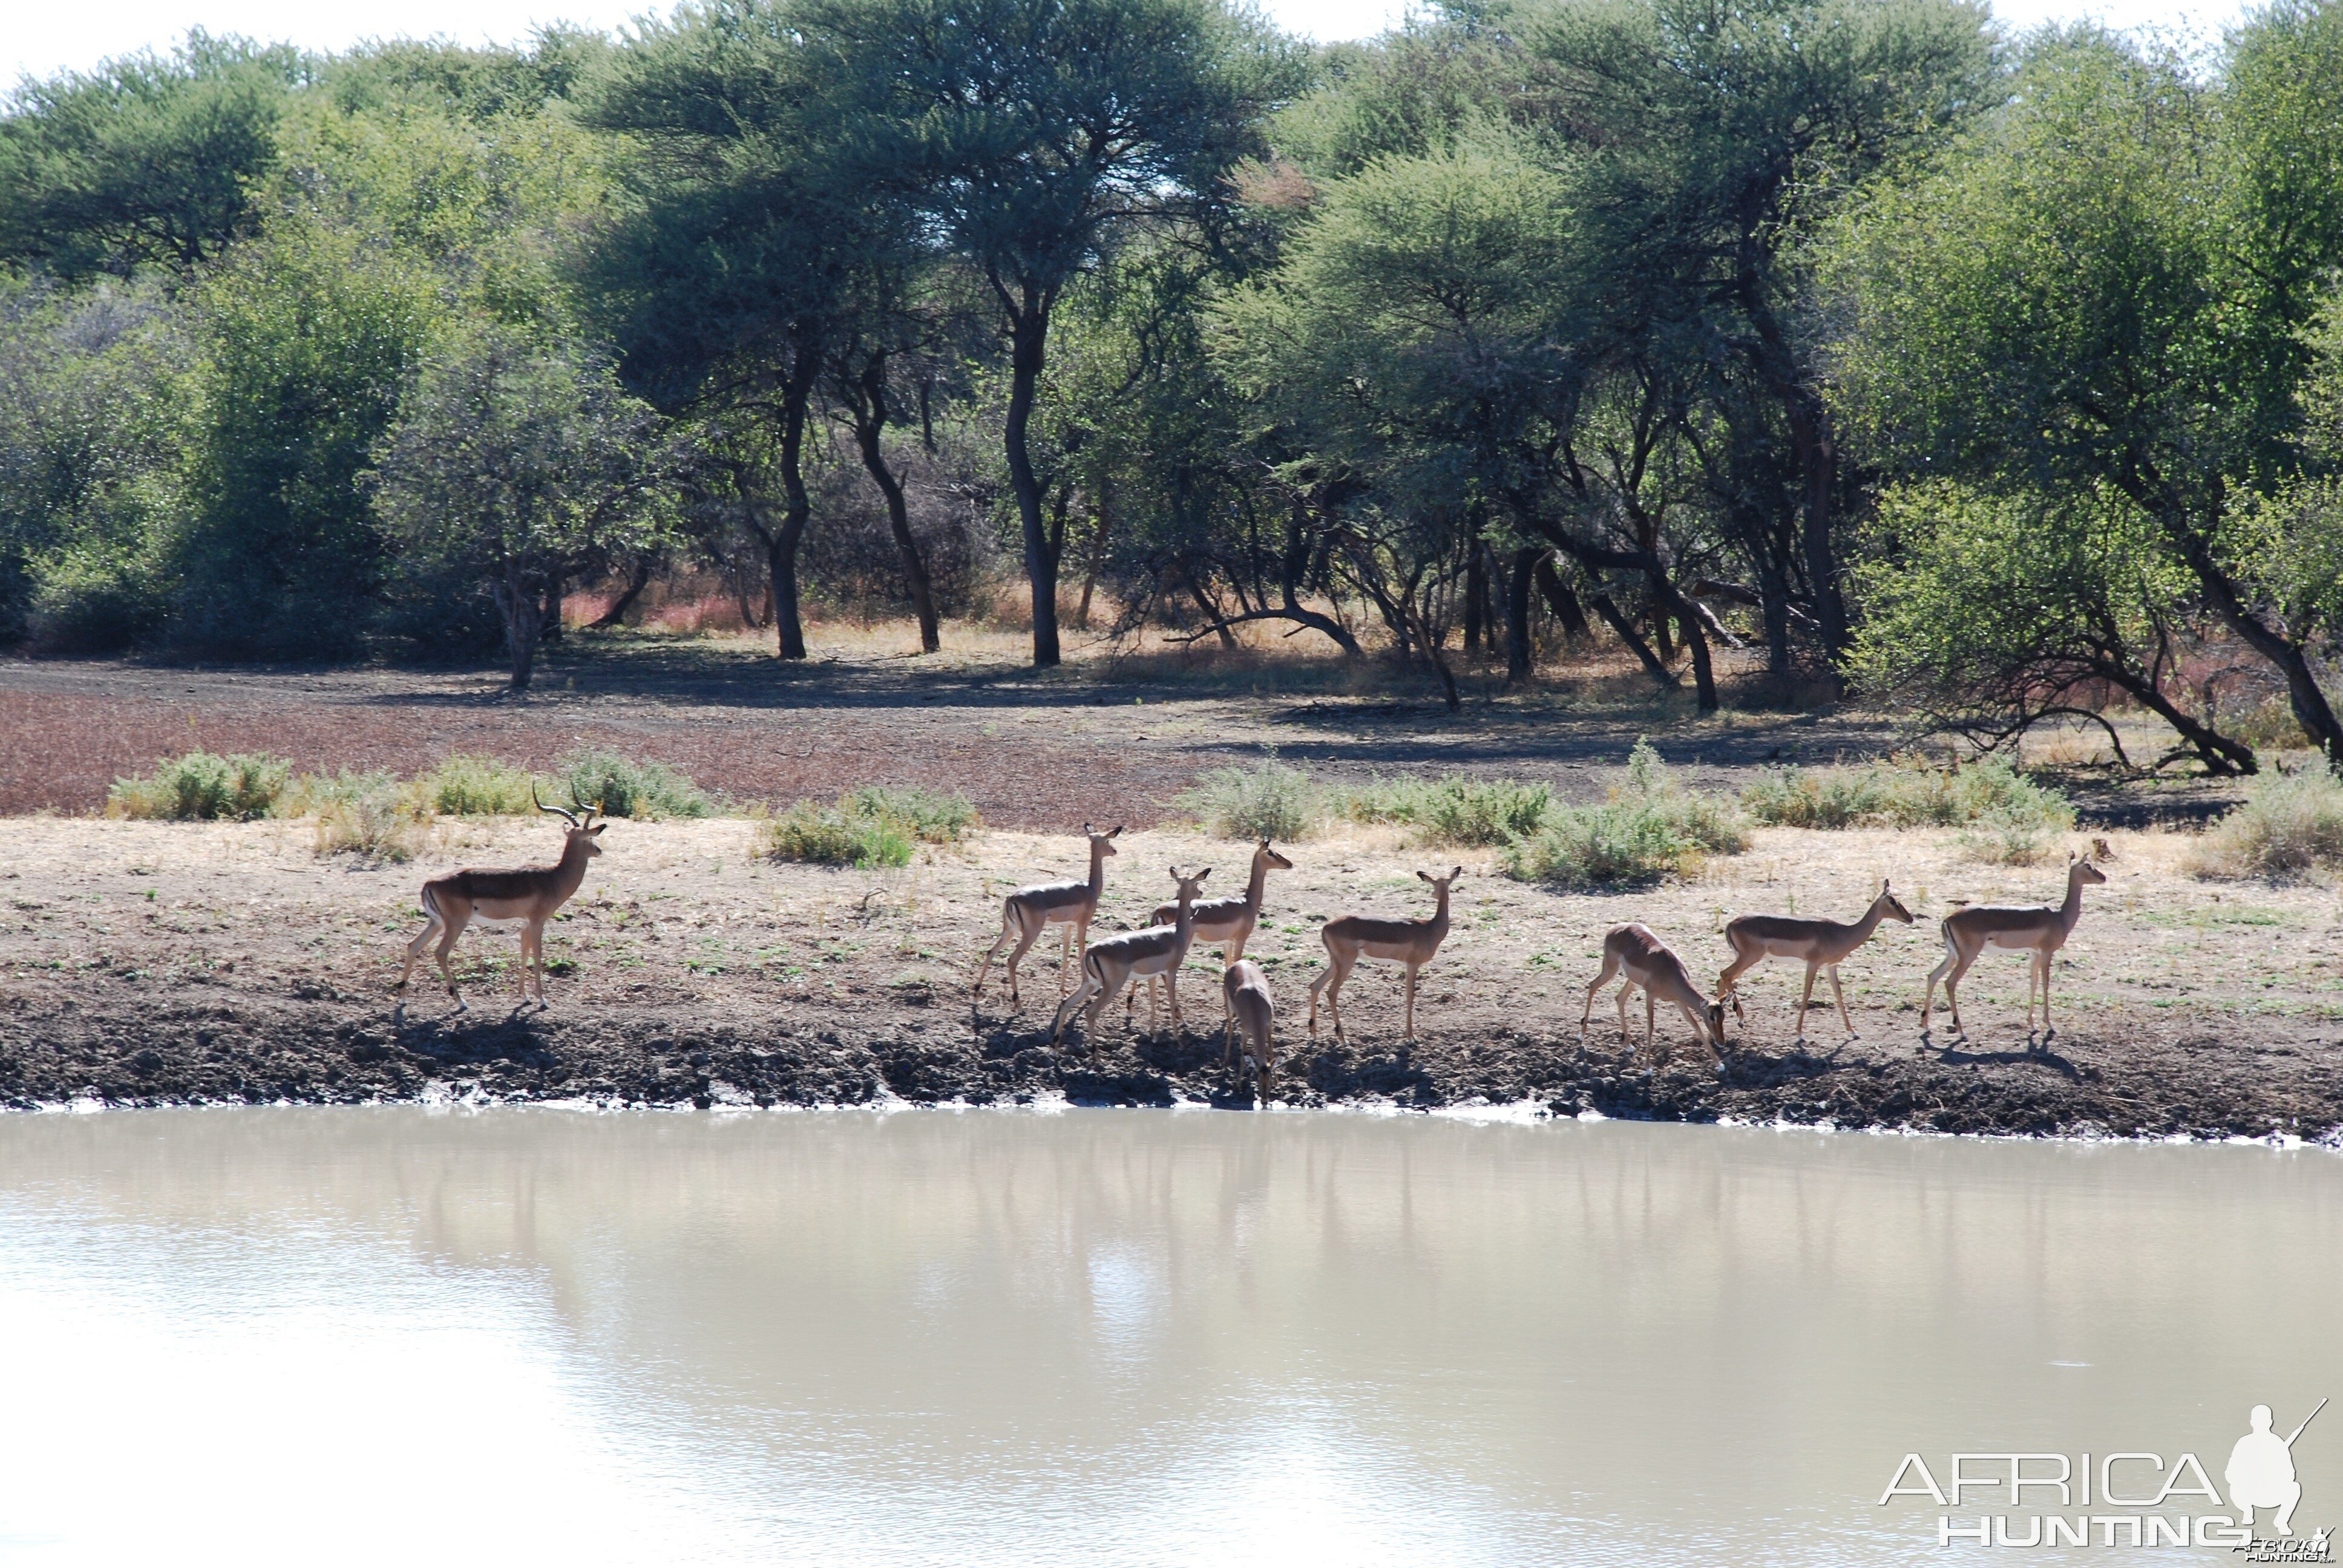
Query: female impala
[1254,1011]
[2037,929]
[1355,937]
[1651,965]
[1230,920]
[1818,944]
[1026,913]
[531,895]
[1117,961]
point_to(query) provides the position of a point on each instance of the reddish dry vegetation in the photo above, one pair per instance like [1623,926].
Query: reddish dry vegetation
[62,750]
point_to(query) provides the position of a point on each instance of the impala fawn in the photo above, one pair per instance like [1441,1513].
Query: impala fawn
[2037,929]
[1649,964]
[1117,961]
[531,895]
[1355,937]
[1026,913]
[1818,944]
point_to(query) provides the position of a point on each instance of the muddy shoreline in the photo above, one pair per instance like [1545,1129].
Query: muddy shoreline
[241,1049]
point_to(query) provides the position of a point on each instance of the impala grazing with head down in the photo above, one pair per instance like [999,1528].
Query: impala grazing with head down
[1651,965]
[1026,913]
[1252,1013]
[531,894]
[1818,944]
[2040,929]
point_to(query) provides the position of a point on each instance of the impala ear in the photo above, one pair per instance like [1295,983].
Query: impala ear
[1456,873]
[1117,833]
[1424,876]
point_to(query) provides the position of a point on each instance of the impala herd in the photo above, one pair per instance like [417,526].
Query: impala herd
[1632,954]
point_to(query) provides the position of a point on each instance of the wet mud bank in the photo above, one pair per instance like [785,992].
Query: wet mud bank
[2114,1076]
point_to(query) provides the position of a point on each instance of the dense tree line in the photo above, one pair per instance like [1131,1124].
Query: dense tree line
[2001,375]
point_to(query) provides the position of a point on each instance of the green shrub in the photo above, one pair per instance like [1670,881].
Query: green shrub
[869,828]
[1988,792]
[1651,827]
[201,787]
[1457,810]
[1268,801]
[926,814]
[2289,824]
[383,823]
[2269,725]
[466,785]
[621,787]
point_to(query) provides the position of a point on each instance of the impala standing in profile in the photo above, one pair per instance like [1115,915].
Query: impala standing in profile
[1120,960]
[1356,936]
[1818,944]
[1026,913]
[2040,929]
[531,894]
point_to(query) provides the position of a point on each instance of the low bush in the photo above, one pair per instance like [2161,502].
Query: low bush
[466,786]
[929,816]
[2289,824]
[1456,810]
[202,788]
[622,787]
[384,824]
[1650,828]
[869,827]
[1987,791]
[1268,800]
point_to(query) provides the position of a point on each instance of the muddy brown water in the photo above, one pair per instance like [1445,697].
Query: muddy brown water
[406,1335]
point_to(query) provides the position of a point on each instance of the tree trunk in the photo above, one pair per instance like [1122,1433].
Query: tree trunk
[524,618]
[1098,556]
[1560,599]
[1620,624]
[870,423]
[551,631]
[1476,594]
[1517,614]
[781,544]
[1214,616]
[1773,604]
[1029,340]
[617,614]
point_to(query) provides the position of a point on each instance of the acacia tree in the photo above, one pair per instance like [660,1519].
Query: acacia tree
[1988,614]
[728,281]
[2105,285]
[147,159]
[509,464]
[1038,134]
[1708,146]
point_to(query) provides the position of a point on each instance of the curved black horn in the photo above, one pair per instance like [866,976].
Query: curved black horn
[550,810]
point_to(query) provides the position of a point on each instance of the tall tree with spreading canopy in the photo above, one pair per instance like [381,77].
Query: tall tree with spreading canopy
[2108,283]
[1038,134]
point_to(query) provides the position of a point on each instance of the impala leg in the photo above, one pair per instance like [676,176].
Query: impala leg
[1952,997]
[1728,983]
[1840,996]
[1026,935]
[1805,1002]
[1172,990]
[1586,1014]
[1626,989]
[1009,929]
[452,927]
[1409,1031]
[1928,1002]
[431,928]
[2047,1030]
[1330,976]
[1651,1030]
[1067,1008]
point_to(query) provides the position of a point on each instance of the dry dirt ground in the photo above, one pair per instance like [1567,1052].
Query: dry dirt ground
[150,962]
